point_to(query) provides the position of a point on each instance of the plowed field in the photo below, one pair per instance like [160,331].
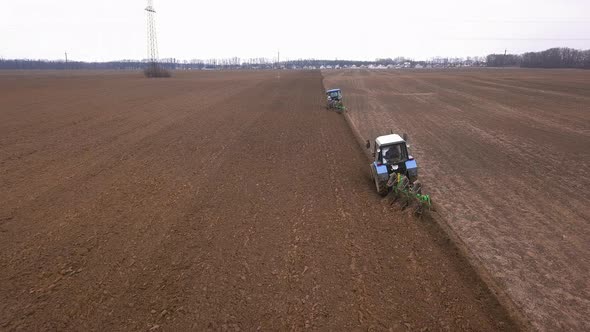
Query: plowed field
[506,155]
[211,200]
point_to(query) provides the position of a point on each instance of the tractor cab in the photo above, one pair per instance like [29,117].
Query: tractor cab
[391,156]
[334,94]
[390,150]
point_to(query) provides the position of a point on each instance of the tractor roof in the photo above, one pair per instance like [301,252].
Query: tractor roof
[333,90]
[389,139]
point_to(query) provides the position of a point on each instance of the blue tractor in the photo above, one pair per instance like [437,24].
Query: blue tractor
[393,166]
[334,97]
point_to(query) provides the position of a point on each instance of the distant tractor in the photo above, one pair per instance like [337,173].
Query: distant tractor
[393,166]
[334,97]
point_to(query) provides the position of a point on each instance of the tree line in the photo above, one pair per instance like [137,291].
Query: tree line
[27,64]
[558,57]
[551,58]
[229,63]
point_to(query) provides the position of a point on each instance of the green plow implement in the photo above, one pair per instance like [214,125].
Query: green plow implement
[408,194]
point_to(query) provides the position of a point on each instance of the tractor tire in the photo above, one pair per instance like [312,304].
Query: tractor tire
[381,190]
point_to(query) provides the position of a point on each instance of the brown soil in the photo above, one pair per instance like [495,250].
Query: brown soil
[506,155]
[209,200]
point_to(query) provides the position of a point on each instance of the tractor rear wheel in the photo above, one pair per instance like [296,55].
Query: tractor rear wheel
[382,190]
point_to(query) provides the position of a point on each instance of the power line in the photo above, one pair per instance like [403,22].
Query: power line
[533,39]
[505,20]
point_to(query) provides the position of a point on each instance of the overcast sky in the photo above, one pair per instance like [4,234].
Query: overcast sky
[187,29]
